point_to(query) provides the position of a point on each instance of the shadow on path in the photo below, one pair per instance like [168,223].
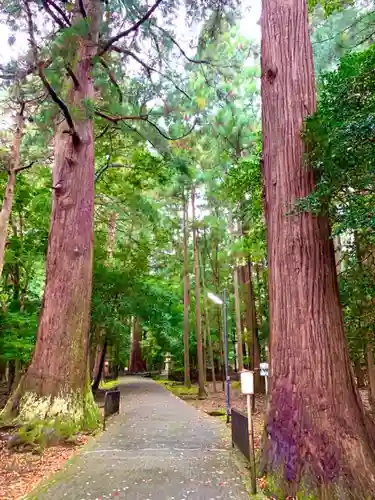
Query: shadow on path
[158,448]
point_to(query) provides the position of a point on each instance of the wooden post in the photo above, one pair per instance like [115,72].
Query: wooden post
[251,444]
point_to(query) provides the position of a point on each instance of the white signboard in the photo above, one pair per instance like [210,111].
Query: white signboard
[264,369]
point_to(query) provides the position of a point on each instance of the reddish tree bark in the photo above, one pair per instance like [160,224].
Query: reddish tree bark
[187,381]
[359,374]
[371,374]
[57,380]
[14,165]
[136,362]
[318,433]
[201,374]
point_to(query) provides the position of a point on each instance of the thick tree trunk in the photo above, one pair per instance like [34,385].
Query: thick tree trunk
[201,375]
[6,209]
[187,381]
[319,437]
[136,363]
[57,381]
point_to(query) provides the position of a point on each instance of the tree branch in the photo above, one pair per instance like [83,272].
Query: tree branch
[60,11]
[106,167]
[73,77]
[40,67]
[116,119]
[112,78]
[103,132]
[166,136]
[82,9]
[150,69]
[62,23]
[135,26]
[20,169]
[174,41]
[61,104]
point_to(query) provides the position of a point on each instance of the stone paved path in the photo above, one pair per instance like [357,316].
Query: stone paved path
[158,448]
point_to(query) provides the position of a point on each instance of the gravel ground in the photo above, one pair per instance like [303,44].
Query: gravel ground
[158,448]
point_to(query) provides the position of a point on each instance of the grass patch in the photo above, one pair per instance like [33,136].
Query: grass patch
[108,385]
[178,389]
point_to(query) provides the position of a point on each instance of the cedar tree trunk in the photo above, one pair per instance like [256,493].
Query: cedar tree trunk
[99,365]
[238,319]
[57,382]
[371,375]
[319,437]
[187,381]
[6,209]
[136,363]
[252,327]
[201,375]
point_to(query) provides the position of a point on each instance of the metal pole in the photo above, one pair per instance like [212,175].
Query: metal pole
[227,377]
[251,445]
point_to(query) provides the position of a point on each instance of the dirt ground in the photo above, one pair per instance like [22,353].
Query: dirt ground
[21,472]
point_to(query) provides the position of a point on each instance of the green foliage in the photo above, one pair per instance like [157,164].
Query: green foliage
[339,138]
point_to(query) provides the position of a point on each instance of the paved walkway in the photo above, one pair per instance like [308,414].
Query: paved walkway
[158,448]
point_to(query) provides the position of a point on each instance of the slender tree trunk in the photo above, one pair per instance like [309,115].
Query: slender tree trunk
[216,284]
[208,331]
[57,380]
[187,381]
[238,319]
[371,375]
[318,433]
[111,243]
[98,370]
[252,327]
[201,376]
[6,208]
[136,363]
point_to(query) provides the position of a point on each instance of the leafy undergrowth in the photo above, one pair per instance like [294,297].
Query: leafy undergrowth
[22,472]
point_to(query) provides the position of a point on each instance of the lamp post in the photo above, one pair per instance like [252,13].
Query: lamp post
[223,302]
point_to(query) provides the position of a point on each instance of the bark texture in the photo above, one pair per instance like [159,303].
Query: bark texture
[57,381]
[136,362]
[99,365]
[371,374]
[318,434]
[6,208]
[201,375]
[237,305]
[187,381]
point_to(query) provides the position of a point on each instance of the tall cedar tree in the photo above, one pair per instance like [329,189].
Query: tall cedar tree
[318,433]
[56,382]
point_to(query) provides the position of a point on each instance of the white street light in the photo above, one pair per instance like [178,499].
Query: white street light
[223,302]
[214,298]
